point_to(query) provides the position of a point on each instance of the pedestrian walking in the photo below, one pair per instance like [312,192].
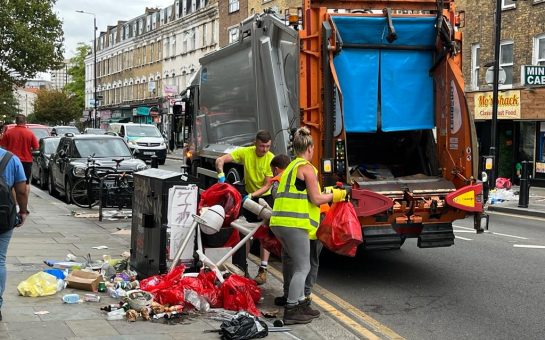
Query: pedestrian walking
[256,160]
[295,219]
[20,141]
[12,177]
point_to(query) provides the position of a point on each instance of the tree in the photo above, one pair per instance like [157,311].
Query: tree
[8,106]
[56,107]
[76,87]
[31,40]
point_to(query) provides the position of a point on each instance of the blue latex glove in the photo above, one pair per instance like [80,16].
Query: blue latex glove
[221,177]
[249,196]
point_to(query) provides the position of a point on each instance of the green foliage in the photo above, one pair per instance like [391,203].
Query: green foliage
[56,107]
[31,40]
[76,87]
[8,106]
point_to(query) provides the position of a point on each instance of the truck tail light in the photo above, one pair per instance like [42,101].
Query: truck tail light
[468,198]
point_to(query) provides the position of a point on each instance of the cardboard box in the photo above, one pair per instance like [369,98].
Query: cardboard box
[83,280]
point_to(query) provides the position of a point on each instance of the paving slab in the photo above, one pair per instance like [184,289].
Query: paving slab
[91,328]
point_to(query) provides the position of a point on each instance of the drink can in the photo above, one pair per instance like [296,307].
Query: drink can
[102,286]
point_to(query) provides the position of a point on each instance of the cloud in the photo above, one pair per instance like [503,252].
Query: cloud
[78,27]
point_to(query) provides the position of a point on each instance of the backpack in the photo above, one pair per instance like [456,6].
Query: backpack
[8,209]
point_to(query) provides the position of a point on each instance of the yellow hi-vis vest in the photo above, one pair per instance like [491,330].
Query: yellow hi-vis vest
[293,208]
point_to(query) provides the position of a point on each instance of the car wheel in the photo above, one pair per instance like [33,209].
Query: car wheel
[51,186]
[67,191]
[33,179]
[43,179]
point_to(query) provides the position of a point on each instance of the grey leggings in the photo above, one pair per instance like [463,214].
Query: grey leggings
[296,250]
[287,270]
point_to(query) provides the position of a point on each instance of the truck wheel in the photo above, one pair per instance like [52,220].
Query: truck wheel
[233,176]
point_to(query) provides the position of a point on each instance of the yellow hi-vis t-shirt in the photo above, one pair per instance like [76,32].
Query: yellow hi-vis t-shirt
[255,168]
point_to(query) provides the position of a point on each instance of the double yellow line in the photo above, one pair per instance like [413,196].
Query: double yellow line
[348,315]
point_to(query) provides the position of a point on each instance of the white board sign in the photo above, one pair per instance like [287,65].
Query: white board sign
[182,203]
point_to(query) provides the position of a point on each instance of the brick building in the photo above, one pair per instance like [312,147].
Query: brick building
[521,109]
[231,13]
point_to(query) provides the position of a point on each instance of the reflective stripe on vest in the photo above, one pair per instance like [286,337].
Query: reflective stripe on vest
[292,208]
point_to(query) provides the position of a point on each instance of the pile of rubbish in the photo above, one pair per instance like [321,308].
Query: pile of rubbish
[498,196]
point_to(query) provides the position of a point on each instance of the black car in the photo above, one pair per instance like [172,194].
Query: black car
[40,160]
[62,130]
[69,162]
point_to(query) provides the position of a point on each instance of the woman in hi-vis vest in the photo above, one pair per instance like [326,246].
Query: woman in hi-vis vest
[295,219]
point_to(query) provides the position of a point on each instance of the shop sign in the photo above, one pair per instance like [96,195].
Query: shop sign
[533,74]
[140,111]
[508,105]
[170,90]
[540,167]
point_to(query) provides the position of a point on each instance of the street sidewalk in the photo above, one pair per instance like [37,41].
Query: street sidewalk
[51,232]
[536,204]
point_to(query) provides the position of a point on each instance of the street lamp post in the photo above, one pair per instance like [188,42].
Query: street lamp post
[94,65]
[495,86]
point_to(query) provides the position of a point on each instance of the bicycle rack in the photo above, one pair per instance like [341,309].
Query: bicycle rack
[104,192]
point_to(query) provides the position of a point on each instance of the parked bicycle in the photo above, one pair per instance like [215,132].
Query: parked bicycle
[102,183]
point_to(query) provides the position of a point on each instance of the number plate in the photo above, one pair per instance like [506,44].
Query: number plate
[149,153]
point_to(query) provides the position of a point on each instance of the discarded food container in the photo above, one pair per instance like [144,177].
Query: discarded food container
[91,298]
[102,286]
[118,314]
[70,298]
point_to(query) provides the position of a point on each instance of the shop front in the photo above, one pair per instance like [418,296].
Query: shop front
[520,130]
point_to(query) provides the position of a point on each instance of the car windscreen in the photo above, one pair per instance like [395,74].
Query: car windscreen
[95,131]
[106,147]
[40,132]
[50,145]
[143,131]
[62,131]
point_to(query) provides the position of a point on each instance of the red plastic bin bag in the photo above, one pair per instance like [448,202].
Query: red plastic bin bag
[158,282]
[225,195]
[340,231]
[268,240]
[240,293]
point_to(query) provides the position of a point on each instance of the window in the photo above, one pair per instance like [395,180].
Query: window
[539,50]
[233,6]
[204,34]
[506,61]
[233,35]
[213,32]
[193,36]
[475,66]
[506,4]
[167,49]
[173,46]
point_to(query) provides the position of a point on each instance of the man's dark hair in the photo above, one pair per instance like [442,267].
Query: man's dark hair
[280,161]
[20,119]
[263,136]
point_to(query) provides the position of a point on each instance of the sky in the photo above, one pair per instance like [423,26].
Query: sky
[78,27]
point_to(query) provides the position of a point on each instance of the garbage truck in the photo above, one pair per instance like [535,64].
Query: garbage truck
[379,84]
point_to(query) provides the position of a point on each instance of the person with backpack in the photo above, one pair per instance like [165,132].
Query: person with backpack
[12,178]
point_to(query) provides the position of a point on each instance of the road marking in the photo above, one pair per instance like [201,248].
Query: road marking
[528,246]
[349,322]
[463,238]
[507,235]
[486,231]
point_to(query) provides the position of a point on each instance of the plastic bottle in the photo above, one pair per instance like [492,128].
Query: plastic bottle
[91,298]
[70,298]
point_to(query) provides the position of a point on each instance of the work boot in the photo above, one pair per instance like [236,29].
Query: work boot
[280,301]
[308,309]
[296,315]
[261,276]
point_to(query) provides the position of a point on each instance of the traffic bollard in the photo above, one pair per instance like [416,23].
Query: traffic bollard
[524,192]
[154,163]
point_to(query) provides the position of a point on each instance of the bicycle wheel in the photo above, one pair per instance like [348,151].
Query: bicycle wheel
[84,196]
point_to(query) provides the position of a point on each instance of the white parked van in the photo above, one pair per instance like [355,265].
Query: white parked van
[144,139]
